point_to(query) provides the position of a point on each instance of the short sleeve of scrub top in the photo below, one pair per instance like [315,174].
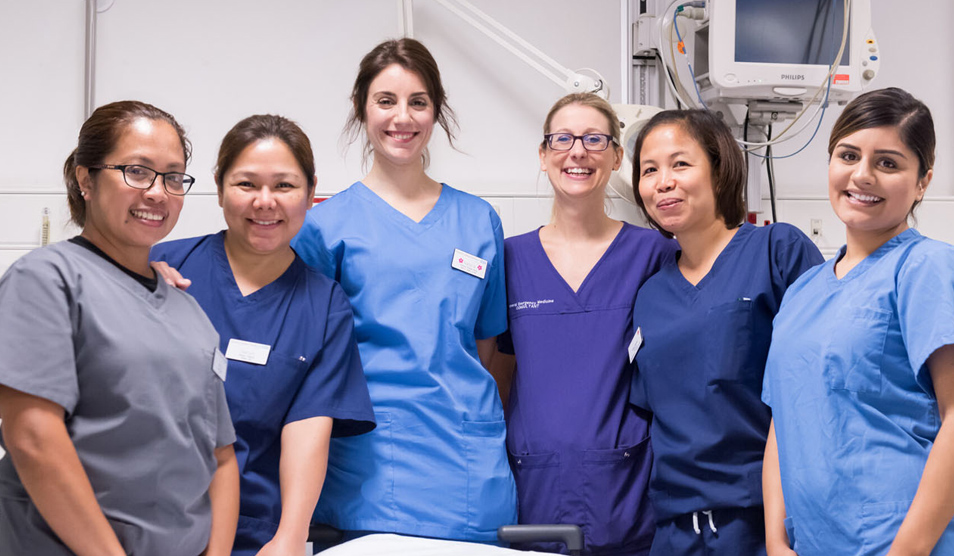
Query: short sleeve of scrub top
[137,374]
[36,320]
[417,320]
[854,407]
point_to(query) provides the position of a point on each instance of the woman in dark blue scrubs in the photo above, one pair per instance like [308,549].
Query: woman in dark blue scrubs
[704,323]
[580,453]
[294,374]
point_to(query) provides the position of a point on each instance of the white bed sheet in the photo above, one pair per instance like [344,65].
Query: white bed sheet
[388,544]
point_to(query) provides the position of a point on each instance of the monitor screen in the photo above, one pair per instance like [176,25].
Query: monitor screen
[789,31]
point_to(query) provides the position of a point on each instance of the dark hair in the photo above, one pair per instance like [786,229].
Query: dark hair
[412,56]
[584,99]
[891,107]
[725,158]
[98,138]
[257,128]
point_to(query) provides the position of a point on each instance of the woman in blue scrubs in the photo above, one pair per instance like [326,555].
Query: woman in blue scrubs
[703,325]
[860,376]
[580,453]
[294,374]
[113,411]
[422,264]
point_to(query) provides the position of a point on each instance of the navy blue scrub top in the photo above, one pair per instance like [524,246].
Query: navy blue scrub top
[700,367]
[313,367]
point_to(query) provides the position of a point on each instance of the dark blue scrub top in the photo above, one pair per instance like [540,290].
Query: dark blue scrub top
[579,451]
[700,368]
[313,368]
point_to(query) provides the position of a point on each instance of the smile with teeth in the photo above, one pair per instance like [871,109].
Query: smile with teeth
[265,222]
[578,171]
[872,199]
[400,135]
[145,215]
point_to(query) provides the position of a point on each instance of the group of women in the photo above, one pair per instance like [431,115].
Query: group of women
[348,363]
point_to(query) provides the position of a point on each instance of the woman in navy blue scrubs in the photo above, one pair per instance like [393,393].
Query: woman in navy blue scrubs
[294,374]
[580,453]
[704,323]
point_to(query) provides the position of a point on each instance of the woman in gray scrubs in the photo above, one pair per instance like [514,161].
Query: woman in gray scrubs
[111,383]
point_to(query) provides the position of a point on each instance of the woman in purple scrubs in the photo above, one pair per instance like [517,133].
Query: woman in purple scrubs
[580,454]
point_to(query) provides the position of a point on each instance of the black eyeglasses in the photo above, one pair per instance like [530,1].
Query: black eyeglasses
[142,177]
[590,141]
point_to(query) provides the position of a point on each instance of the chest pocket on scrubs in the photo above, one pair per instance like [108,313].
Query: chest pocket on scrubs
[729,327]
[260,394]
[854,354]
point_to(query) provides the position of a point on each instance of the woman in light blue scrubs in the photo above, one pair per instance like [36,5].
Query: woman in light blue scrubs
[422,264]
[860,376]
[294,374]
[703,325]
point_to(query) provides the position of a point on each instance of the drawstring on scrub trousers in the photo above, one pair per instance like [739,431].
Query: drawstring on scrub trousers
[695,522]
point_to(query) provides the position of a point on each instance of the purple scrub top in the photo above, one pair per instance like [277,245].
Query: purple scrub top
[580,453]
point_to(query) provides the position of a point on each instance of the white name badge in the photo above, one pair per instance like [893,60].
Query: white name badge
[219,364]
[249,352]
[635,343]
[471,264]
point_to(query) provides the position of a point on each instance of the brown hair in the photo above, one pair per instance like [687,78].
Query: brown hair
[257,128]
[725,158]
[98,138]
[896,108]
[585,99]
[412,56]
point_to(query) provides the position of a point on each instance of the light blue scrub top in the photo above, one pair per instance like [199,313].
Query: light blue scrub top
[436,464]
[853,402]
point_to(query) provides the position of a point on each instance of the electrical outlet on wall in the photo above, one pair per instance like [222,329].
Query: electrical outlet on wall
[816,228]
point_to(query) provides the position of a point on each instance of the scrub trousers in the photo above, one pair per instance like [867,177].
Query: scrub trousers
[725,532]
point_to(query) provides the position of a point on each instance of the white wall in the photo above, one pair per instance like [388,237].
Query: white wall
[214,62]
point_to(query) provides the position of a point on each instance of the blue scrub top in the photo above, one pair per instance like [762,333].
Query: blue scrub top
[313,367]
[700,368]
[854,406]
[579,451]
[436,465]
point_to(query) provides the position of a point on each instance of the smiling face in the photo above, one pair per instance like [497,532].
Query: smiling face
[123,221]
[873,182]
[399,116]
[675,181]
[264,198]
[578,172]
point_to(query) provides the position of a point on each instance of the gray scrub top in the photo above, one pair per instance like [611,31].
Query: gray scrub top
[134,371]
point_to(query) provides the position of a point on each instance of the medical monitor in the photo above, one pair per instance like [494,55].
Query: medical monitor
[782,50]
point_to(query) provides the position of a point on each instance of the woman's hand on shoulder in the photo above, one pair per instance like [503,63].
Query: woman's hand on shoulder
[170,275]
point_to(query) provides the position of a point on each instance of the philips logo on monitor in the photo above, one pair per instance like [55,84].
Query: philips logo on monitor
[792,77]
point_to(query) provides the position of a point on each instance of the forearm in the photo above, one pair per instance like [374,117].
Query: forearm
[776,539]
[933,505]
[304,462]
[485,351]
[501,368]
[224,495]
[50,469]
